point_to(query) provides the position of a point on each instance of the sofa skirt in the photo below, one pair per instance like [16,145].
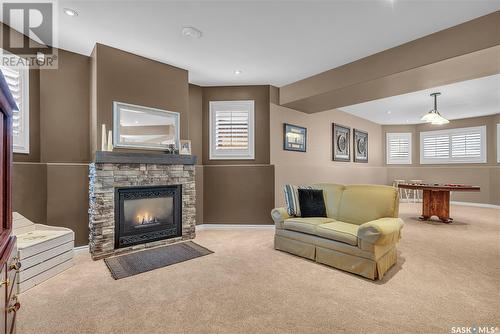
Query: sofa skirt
[296,247]
[371,269]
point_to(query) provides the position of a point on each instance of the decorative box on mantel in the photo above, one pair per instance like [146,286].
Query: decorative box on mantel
[139,200]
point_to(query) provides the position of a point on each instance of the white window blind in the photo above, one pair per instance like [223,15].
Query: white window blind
[398,148]
[463,145]
[18,81]
[232,130]
[437,147]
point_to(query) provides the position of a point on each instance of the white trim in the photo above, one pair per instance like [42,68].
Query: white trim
[81,248]
[406,135]
[24,80]
[244,105]
[450,132]
[204,227]
[25,149]
[479,205]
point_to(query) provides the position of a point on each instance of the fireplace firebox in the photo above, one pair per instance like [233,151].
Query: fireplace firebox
[146,214]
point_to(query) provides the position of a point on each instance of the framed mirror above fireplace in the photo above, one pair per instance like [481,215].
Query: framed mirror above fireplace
[144,127]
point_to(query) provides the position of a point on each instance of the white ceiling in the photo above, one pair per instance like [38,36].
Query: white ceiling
[272,42]
[471,98]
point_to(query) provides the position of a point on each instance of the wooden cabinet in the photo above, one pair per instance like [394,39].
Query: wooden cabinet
[10,267]
[9,305]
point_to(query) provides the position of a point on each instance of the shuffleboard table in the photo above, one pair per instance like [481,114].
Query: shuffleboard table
[436,198]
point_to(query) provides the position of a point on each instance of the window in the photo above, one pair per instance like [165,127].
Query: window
[398,147]
[18,81]
[465,145]
[232,130]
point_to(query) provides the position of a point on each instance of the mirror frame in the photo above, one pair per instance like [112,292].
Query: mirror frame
[116,127]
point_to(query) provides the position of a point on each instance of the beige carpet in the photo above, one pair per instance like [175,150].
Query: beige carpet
[447,275]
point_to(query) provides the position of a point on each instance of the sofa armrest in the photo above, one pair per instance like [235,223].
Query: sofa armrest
[383,231]
[279,215]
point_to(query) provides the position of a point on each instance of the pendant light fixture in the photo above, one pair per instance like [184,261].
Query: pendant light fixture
[433,116]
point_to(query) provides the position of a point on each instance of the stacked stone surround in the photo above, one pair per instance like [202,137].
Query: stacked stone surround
[105,177]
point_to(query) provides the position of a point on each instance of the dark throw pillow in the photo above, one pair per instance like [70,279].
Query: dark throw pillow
[311,203]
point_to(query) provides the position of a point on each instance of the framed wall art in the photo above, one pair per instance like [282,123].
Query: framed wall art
[341,138]
[360,145]
[185,148]
[294,138]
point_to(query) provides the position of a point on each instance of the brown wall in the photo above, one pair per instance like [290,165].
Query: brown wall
[125,77]
[67,199]
[239,191]
[46,188]
[199,180]
[64,101]
[260,94]
[316,164]
[195,134]
[483,175]
[238,194]
[29,190]
[195,127]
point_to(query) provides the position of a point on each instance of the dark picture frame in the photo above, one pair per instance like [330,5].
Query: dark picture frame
[360,145]
[294,138]
[341,139]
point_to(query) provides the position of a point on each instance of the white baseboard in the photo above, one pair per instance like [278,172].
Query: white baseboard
[479,205]
[203,227]
[81,249]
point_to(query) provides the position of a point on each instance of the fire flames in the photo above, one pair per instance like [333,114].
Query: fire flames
[146,218]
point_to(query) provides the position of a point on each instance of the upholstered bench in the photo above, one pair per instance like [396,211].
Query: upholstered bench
[43,251]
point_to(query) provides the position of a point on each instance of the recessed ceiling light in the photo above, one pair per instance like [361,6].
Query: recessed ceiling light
[191,32]
[70,12]
[238,72]
[389,112]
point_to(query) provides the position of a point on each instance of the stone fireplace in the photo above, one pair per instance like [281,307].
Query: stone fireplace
[140,200]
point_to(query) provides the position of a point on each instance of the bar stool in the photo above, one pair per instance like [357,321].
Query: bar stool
[417,194]
[401,191]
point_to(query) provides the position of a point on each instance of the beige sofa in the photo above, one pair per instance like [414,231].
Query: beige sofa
[359,235]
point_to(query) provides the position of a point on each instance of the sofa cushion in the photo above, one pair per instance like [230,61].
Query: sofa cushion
[312,203]
[364,203]
[305,225]
[332,194]
[339,231]
[292,199]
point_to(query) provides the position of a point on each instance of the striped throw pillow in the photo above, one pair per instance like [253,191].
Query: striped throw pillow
[292,199]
